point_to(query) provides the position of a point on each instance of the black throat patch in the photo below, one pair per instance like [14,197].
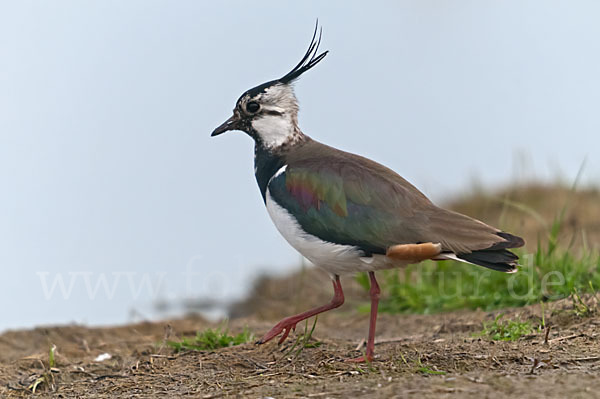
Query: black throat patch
[266,164]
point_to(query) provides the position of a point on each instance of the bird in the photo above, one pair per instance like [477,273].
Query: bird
[346,213]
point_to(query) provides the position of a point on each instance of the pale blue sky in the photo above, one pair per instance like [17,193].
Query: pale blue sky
[107,169]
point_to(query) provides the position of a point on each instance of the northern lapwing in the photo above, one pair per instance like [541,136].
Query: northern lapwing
[346,213]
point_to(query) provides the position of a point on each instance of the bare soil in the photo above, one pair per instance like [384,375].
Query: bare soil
[426,356]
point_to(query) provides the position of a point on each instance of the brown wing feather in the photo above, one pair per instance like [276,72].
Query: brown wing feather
[459,233]
[416,219]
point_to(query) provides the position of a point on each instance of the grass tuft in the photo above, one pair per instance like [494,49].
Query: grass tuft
[582,308]
[505,330]
[211,339]
[549,274]
[46,379]
[304,341]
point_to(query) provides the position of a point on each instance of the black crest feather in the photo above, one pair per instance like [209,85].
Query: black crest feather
[309,60]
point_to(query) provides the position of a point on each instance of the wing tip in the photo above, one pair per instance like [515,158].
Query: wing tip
[510,241]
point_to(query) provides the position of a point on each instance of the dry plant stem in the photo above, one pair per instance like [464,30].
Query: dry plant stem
[548,328]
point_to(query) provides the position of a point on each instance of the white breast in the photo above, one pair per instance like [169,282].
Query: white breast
[334,258]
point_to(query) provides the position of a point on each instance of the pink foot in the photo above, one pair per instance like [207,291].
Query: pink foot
[289,323]
[360,359]
[285,326]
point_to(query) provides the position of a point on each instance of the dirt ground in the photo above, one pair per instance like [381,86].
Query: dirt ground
[426,356]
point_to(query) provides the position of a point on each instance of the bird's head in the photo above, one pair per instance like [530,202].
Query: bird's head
[269,112]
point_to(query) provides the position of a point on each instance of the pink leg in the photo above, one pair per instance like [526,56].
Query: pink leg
[374,293]
[289,323]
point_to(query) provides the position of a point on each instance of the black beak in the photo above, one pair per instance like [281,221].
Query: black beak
[230,124]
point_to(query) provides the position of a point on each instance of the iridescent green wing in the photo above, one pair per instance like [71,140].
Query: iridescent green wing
[346,204]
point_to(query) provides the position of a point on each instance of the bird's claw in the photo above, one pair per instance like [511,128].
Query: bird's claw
[286,332]
[360,359]
[283,326]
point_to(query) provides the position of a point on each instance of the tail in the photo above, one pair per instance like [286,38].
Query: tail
[468,240]
[496,257]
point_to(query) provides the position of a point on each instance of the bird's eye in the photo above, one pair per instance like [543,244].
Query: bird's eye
[252,107]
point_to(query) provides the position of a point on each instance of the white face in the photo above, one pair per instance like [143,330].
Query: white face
[276,121]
